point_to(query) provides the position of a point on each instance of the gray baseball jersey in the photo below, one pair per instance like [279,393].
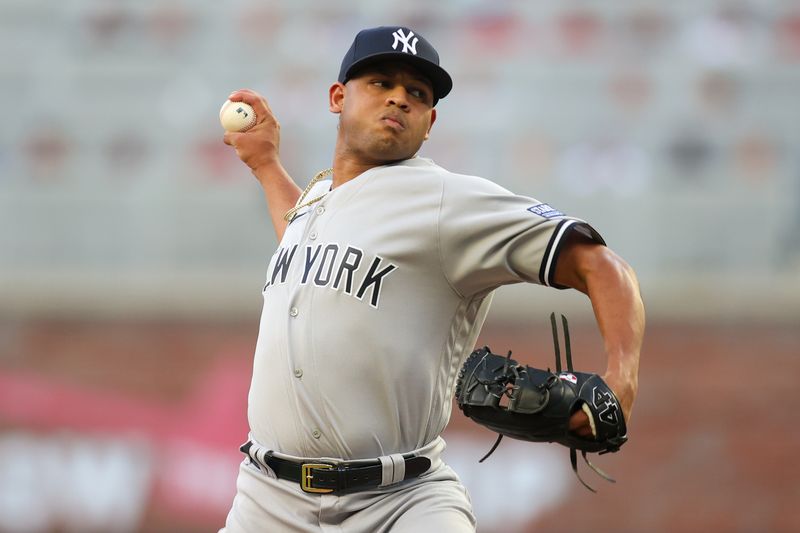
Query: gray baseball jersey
[375,296]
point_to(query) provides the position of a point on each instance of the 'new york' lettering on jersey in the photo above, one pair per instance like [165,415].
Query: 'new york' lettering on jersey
[336,266]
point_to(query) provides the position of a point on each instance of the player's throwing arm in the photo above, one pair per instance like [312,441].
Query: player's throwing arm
[255,134]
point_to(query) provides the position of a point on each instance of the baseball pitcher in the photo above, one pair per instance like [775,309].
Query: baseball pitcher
[375,296]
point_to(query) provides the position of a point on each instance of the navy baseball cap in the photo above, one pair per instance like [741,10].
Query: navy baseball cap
[396,43]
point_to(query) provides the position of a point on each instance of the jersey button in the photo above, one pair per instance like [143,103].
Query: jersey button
[316,434]
[312,235]
[293,311]
[298,372]
[320,209]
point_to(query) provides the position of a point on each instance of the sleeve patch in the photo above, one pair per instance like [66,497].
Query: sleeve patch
[545,211]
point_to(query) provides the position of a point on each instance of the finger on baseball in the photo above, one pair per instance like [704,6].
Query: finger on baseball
[230,137]
[258,102]
[239,95]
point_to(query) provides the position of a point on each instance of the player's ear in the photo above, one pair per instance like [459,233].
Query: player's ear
[336,97]
[433,119]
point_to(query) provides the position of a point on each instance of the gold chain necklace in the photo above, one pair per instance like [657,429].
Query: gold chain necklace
[300,205]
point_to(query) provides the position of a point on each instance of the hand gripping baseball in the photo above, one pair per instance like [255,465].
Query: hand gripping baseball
[258,145]
[539,405]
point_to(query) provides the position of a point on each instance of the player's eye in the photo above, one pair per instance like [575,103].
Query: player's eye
[419,93]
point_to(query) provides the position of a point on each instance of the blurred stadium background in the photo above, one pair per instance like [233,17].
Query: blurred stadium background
[133,244]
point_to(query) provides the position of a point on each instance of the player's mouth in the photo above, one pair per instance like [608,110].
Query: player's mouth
[394,122]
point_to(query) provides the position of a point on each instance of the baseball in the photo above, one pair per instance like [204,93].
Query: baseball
[237,116]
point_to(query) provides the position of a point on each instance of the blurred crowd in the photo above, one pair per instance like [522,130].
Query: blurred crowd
[672,123]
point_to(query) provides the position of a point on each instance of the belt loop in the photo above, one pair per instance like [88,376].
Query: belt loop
[399,467]
[387,466]
[245,449]
[265,453]
[393,469]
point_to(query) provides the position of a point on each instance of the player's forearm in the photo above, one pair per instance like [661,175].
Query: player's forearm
[614,292]
[618,307]
[280,191]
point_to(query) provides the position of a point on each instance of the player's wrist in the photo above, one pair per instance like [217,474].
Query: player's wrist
[267,168]
[625,386]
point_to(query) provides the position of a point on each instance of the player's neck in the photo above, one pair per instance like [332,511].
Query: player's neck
[347,166]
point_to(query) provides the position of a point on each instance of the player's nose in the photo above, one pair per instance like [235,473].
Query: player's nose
[398,96]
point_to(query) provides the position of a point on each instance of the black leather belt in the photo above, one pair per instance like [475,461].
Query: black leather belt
[324,478]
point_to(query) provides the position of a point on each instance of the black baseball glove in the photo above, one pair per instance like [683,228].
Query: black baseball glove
[536,405]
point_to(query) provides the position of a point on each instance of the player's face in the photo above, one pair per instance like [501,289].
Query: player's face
[385,112]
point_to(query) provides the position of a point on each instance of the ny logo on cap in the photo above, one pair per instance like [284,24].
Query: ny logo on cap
[401,37]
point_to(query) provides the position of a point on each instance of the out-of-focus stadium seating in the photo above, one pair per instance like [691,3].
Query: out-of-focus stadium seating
[671,127]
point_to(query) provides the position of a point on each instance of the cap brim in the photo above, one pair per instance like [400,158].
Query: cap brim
[440,79]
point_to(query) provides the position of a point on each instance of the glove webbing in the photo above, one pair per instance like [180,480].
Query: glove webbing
[499,435]
[573,454]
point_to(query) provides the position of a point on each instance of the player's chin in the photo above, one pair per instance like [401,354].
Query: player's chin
[392,149]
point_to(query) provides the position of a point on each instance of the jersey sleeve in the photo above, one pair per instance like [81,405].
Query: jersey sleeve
[490,237]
